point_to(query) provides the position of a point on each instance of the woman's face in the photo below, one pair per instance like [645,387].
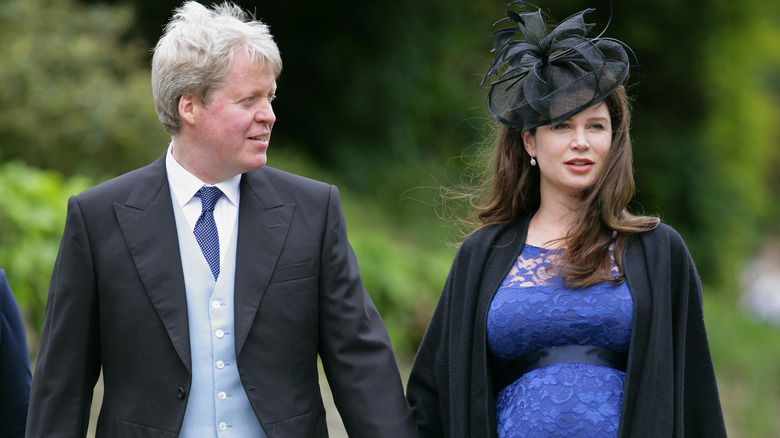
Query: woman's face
[571,155]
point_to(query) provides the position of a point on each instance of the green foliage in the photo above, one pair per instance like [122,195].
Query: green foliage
[747,366]
[403,273]
[75,96]
[415,96]
[32,217]
[741,134]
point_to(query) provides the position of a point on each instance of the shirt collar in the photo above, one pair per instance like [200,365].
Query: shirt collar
[184,184]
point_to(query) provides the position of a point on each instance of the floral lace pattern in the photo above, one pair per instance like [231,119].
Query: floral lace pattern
[533,310]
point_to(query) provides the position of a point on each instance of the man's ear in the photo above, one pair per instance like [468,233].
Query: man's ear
[187,105]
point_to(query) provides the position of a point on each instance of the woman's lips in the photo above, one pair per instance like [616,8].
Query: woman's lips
[579,165]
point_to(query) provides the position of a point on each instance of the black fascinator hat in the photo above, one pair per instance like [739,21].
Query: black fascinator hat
[545,78]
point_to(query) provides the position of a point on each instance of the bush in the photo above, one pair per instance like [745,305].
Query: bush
[75,96]
[32,218]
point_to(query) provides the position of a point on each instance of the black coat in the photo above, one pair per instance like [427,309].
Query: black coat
[670,388]
[14,365]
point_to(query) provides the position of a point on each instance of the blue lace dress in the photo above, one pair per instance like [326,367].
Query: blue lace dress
[533,310]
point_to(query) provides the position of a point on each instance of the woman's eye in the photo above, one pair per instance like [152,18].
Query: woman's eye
[271,97]
[249,99]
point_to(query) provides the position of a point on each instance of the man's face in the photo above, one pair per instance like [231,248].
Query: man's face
[232,132]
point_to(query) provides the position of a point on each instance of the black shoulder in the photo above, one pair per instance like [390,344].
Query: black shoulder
[150,178]
[487,238]
[666,238]
[289,178]
[288,184]
[482,236]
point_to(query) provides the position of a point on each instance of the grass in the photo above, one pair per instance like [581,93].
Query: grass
[746,356]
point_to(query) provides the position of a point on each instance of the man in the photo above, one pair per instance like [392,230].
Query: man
[205,284]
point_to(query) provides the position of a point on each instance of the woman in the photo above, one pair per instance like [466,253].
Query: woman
[563,314]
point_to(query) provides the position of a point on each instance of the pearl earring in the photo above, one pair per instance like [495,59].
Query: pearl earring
[533,161]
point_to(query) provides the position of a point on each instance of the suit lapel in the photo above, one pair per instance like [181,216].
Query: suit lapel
[148,224]
[263,223]
[149,227]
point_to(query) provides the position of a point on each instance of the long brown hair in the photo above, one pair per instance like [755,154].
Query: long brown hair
[512,190]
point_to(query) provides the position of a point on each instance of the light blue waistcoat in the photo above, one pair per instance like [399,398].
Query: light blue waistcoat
[217,404]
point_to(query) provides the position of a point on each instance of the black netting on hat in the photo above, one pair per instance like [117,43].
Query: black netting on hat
[547,78]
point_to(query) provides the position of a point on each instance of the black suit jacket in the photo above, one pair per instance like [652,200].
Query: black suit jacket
[117,300]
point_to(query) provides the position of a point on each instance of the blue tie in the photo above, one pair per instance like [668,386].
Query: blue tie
[206,229]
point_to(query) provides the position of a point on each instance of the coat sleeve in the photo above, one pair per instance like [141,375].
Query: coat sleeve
[698,394]
[14,365]
[355,348]
[425,396]
[449,386]
[68,361]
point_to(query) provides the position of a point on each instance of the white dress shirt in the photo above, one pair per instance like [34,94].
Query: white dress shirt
[184,185]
